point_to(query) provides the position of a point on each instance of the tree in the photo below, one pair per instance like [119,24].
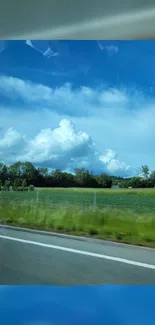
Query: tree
[145,171]
[17,183]
[79,176]
[43,171]
[24,170]
[68,180]
[152,178]
[22,174]
[125,184]
[3,172]
[24,183]
[7,184]
[29,172]
[136,182]
[15,170]
[104,181]
[84,178]
[57,177]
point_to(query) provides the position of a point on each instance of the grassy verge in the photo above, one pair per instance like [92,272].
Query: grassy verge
[107,223]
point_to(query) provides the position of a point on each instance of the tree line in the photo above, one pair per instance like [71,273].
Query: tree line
[25,176]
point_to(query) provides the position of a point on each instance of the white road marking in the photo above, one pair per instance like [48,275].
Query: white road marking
[76,251]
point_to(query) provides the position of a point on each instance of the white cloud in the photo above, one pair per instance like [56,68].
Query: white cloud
[113,96]
[64,142]
[114,118]
[65,99]
[11,145]
[113,164]
[64,147]
[11,139]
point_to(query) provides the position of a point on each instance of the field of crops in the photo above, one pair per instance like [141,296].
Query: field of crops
[139,201]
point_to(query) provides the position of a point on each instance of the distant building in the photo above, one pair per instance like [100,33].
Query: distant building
[115,186]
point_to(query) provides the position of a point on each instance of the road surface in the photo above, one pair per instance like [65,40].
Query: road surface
[32,258]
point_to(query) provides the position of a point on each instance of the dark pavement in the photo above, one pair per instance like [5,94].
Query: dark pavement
[55,260]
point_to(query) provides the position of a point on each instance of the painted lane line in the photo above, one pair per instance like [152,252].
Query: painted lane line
[76,251]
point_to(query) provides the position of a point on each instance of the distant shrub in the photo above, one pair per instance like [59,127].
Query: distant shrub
[25,189]
[19,188]
[31,188]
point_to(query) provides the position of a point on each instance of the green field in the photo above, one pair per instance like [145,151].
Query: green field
[118,214]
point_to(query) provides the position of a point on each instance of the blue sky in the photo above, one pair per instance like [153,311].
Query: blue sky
[69,104]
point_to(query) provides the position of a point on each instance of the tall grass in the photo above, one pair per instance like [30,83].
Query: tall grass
[105,223]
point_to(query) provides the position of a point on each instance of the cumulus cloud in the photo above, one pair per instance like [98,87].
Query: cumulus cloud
[113,164]
[64,147]
[115,118]
[11,144]
[59,146]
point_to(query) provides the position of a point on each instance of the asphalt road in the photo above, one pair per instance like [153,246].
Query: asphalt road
[31,258]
